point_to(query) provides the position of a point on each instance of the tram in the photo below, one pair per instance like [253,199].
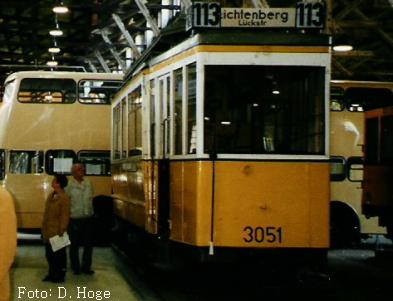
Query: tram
[48,120]
[377,197]
[220,144]
[349,103]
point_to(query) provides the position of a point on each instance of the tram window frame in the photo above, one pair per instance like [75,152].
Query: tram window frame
[238,112]
[2,164]
[134,116]
[46,91]
[49,161]
[94,157]
[116,118]
[34,162]
[103,96]
[338,176]
[178,110]
[191,123]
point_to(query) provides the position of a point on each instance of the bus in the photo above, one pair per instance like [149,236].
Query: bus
[377,198]
[48,120]
[220,146]
[349,101]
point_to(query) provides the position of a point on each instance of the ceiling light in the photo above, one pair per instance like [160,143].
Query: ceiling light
[342,48]
[52,63]
[56,32]
[60,9]
[54,49]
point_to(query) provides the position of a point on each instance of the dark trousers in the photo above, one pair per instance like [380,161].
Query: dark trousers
[81,235]
[57,262]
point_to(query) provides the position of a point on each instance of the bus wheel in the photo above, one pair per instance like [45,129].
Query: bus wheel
[344,225]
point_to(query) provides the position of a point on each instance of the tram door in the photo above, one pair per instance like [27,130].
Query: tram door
[163,153]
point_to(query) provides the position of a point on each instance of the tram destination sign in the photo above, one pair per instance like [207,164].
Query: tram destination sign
[211,14]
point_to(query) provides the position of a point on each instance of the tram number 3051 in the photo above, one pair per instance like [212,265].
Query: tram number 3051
[262,234]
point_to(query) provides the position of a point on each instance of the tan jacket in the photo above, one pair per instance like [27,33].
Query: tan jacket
[7,241]
[56,215]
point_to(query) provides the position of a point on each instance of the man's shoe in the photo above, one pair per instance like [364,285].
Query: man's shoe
[88,272]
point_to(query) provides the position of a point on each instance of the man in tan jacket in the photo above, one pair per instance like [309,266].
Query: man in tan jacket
[7,242]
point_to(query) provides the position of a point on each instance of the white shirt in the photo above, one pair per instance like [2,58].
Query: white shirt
[81,195]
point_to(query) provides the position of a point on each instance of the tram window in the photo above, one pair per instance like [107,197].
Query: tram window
[116,132]
[191,107]
[178,111]
[337,99]
[97,91]
[2,164]
[152,118]
[59,161]
[264,109]
[364,99]
[44,90]
[26,162]
[135,122]
[97,163]
[337,169]
[124,129]
[387,139]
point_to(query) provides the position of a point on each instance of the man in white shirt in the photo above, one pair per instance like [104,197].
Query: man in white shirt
[80,190]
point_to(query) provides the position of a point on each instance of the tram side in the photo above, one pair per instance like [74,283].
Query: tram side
[349,101]
[218,147]
[378,172]
[48,120]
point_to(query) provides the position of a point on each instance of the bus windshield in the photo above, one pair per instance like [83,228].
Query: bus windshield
[264,110]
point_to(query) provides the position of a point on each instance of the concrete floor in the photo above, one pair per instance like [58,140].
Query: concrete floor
[107,283]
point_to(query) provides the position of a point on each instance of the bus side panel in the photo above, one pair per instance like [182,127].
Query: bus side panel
[265,204]
[190,207]
[29,192]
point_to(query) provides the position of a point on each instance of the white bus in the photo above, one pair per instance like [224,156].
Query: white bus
[349,100]
[48,120]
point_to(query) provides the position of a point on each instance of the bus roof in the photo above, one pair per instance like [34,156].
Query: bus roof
[63,74]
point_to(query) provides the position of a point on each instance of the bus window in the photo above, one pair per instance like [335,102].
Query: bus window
[45,90]
[355,169]
[364,99]
[2,164]
[97,163]
[97,91]
[337,169]
[337,99]
[26,162]
[59,161]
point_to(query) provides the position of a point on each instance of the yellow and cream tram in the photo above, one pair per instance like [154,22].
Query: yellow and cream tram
[47,121]
[221,143]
